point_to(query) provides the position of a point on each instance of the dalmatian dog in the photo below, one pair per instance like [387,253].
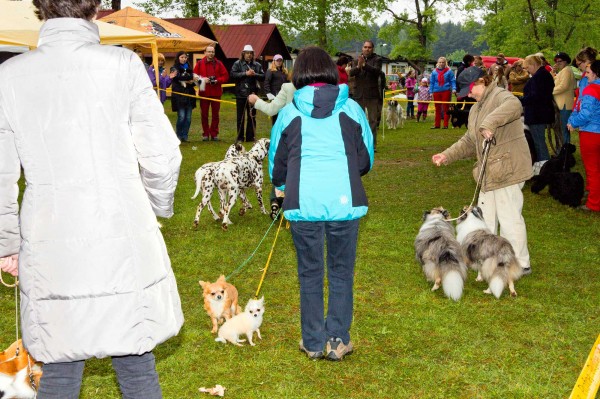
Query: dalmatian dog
[205,181]
[235,175]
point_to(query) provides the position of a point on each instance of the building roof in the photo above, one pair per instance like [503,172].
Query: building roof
[201,26]
[104,13]
[265,39]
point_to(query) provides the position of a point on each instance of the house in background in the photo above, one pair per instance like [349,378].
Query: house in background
[200,26]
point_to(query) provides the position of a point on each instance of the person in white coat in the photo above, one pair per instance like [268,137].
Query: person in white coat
[100,162]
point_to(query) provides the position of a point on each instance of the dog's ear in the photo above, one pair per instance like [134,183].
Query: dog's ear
[221,279]
[203,283]
[262,300]
[425,213]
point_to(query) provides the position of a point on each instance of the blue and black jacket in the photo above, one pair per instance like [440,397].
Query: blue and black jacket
[321,145]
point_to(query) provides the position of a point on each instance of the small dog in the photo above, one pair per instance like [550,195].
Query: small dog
[439,253]
[205,181]
[459,114]
[565,186]
[491,255]
[395,115]
[220,301]
[244,323]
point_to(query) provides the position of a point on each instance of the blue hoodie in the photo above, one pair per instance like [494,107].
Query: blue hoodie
[586,114]
[321,145]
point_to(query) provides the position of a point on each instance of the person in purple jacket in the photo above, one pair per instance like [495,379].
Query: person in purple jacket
[410,84]
[164,78]
[441,85]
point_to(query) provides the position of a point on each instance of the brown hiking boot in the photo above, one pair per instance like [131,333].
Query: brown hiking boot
[336,349]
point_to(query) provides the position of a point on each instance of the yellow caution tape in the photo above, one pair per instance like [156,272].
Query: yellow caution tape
[588,382]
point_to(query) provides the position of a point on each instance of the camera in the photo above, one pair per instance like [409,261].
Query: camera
[212,80]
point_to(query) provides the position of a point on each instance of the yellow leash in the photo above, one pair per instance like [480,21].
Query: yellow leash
[269,258]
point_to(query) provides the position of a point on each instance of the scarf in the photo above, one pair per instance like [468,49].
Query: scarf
[441,73]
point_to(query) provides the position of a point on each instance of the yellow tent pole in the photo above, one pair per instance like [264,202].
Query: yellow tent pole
[589,379]
[155,64]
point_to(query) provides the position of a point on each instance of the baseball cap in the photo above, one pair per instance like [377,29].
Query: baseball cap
[424,80]
[277,57]
[562,56]
[465,79]
[248,48]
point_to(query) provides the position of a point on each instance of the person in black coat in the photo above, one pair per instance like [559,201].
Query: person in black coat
[539,109]
[182,103]
[246,73]
[276,76]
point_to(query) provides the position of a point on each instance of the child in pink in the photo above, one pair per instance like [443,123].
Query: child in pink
[425,96]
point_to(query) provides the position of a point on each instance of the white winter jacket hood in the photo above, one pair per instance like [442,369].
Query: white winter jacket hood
[100,161]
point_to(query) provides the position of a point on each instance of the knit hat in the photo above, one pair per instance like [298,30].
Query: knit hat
[248,48]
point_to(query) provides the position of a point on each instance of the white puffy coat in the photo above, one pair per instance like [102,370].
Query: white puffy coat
[100,161]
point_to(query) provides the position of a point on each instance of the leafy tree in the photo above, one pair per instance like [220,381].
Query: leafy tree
[521,27]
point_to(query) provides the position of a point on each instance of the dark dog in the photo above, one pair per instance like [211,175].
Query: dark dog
[564,186]
[459,114]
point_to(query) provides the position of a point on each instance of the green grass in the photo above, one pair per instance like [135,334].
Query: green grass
[410,342]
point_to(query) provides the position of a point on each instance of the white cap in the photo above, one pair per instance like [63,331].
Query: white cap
[277,57]
[248,48]
[424,80]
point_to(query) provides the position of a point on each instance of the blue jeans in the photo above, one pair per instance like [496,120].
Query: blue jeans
[538,132]
[136,375]
[184,121]
[410,108]
[309,239]
[564,118]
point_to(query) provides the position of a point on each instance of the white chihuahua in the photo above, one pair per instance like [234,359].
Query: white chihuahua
[244,323]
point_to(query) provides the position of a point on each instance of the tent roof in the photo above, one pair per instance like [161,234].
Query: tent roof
[169,37]
[19,26]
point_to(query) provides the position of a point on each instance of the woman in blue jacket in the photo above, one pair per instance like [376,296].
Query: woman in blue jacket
[586,118]
[442,85]
[321,145]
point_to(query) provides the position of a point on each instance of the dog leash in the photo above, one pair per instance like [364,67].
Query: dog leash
[487,144]
[244,263]
[270,255]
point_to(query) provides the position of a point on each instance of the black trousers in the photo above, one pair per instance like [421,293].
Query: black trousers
[245,112]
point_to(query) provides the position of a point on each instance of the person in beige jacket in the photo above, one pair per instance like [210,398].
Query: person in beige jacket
[564,91]
[517,78]
[497,116]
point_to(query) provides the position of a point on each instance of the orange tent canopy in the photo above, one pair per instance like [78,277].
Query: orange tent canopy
[170,38]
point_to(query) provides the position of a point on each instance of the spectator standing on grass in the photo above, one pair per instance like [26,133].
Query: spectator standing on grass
[586,118]
[585,56]
[366,71]
[517,78]
[321,145]
[499,77]
[183,95]
[94,272]
[164,78]
[478,62]
[214,74]
[538,107]
[411,83]
[497,115]
[246,73]
[441,86]
[423,101]
[467,62]
[564,91]
[275,77]
[342,67]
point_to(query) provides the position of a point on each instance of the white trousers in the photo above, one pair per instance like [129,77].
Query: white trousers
[505,206]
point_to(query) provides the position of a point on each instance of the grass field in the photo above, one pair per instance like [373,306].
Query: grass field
[409,342]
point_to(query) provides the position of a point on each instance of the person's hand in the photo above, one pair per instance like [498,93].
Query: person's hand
[570,127]
[279,193]
[10,264]
[252,99]
[439,159]
[250,72]
[164,73]
[487,134]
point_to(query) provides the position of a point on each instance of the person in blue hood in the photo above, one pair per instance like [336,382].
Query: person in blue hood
[321,145]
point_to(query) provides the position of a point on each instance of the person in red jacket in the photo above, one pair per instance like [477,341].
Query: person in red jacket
[214,74]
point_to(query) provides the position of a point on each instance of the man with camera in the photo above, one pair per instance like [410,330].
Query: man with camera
[214,74]
[246,73]
[366,70]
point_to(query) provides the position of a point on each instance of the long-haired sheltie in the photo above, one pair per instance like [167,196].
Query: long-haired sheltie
[491,255]
[439,253]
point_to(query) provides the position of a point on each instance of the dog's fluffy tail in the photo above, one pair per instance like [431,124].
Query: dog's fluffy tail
[453,284]
[497,286]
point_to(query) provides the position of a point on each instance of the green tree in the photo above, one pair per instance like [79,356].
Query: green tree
[521,27]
